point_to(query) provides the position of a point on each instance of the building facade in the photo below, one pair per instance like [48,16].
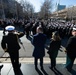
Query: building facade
[67,13]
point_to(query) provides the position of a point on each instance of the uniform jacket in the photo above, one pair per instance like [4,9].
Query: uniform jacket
[39,41]
[10,41]
[71,46]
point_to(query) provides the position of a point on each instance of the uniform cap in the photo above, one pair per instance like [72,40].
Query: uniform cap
[74,29]
[10,28]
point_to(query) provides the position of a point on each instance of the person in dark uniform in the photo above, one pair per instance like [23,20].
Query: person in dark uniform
[38,42]
[54,48]
[71,50]
[11,45]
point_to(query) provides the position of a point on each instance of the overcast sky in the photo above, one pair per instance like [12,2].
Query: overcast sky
[37,3]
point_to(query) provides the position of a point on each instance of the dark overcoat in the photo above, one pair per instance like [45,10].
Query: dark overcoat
[54,48]
[71,46]
[39,41]
[10,41]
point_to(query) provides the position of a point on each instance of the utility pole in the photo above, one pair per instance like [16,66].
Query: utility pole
[3,14]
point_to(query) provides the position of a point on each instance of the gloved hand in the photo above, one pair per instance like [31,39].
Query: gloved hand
[5,50]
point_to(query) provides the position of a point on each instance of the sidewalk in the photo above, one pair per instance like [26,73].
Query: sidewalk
[30,60]
[28,69]
[27,50]
[27,62]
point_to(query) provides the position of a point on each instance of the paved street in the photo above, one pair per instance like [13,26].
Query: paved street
[28,69]
[27,52]
[27,62]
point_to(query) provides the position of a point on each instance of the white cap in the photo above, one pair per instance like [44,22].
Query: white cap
[74,29]
[10,28]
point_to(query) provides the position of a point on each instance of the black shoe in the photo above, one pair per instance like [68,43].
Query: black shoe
[42,68]
[1,67]
[36,68]
[69,69]
[20,65]
[51,68]
[54,68]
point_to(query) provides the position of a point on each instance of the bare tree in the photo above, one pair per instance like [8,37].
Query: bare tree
[46,9]
[9,8]
[28,8]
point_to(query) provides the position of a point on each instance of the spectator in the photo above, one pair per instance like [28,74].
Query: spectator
[71,50]
[39,41]
[54,47]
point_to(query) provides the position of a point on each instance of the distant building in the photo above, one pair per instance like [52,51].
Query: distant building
[67,13]
[60,7]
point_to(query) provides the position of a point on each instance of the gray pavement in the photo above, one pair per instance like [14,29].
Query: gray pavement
[27,52]
[27,62]
[28,69]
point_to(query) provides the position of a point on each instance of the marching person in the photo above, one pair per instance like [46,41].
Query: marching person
[54,48]
[11,45]
[39,41]
[71,50]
